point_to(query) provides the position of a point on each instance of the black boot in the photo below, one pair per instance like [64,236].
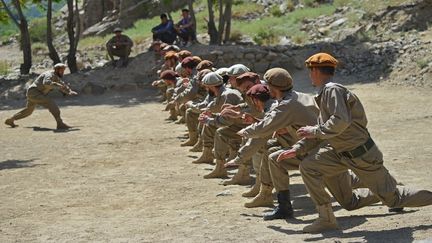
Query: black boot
[284,210]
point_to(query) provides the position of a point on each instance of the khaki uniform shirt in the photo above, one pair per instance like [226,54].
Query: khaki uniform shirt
[295,110]
[342,120]
[46,82]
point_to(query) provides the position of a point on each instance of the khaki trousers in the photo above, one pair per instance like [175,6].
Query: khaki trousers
[226,138]
[191,120]
[328,168]
[118,52]
[272,146]
[207,136]
[34,98]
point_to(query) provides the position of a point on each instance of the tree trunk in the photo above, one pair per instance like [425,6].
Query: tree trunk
[212,31]
[228,15]
[71,57]
[221,23]
[78,24]
[52,51]
[192,12]
[25,39]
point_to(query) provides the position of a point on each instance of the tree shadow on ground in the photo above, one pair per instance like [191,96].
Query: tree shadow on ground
[17,164]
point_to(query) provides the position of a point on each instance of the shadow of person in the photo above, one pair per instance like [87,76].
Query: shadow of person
[16,164]
[45,129]
[404,234]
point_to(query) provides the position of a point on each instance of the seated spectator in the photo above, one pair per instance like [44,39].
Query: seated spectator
[185,28]
[119,46]
[165,32]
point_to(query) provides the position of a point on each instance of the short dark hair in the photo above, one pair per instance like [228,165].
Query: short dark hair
[163,16]
[225,79]
[326,70]
[185,10]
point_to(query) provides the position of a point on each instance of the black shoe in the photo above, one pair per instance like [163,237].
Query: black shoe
[284,210]
[279,213]
[396,210]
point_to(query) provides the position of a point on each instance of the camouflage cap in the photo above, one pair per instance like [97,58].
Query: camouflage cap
[212,79]
[237,69]
[321,60]
[205,64]
[279,78]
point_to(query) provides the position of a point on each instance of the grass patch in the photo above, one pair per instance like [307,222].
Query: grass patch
[4,67]
[422,63]
[287,25]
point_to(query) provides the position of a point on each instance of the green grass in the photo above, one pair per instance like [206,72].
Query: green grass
[4,67]
[286,25]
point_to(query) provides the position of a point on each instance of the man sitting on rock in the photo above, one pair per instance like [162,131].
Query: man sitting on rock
[120,46]
[185,28]
[165,31]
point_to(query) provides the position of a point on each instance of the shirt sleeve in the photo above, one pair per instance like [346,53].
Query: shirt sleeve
[340,114]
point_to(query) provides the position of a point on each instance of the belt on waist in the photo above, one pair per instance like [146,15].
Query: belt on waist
[360,150]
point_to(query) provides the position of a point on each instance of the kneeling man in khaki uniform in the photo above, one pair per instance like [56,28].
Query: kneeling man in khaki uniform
[342,123]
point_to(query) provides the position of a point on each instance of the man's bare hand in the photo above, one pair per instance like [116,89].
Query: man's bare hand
[288,154]
[248,119]
[306,132]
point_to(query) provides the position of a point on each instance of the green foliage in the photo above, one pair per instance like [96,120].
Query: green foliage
[422,63]
[275,11]
[265,37]
[235,36]
[38,48]
[37,29]
[4,67]
[309,3]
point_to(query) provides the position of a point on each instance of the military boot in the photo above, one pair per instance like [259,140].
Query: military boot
[263,199]
[326,220]
[198,147]
[284,210]
[219,170]
[62,126]
[193,139]
[10,122]
[242,177]
[206,157]
[255,189]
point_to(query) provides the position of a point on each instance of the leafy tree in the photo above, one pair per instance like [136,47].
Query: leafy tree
[14,10]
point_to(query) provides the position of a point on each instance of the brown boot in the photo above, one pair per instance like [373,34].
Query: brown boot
[242,177]
[263,199]
[193,139]
[219,170]
[206,157]
[10,122]
[326,220]
[255,189]
[198,147]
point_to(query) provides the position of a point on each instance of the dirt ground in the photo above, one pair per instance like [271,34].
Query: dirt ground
[121,176]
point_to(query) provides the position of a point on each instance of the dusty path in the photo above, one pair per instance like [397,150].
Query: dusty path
[122,177]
